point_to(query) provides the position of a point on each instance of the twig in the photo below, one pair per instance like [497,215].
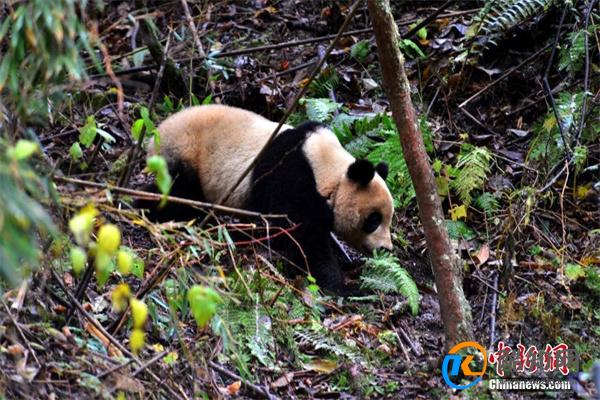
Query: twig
[294,103]
[277,46]
[158,197]
[114,341]
[154,359]
[113,77]
[552,180]
[190,22]
[18,328]
[413,346]
[114,369]
[427,20]
[255,388]
[504,75]
[124,180]
[493,311]
[546,83]
[586,78]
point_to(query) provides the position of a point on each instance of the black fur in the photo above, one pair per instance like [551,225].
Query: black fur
[382,169]
[284,183]
[185,185]
[372,222]
[361,172]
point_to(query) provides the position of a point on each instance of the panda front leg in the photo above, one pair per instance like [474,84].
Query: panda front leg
[317,246]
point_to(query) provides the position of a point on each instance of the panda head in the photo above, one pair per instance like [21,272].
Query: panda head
[363,207]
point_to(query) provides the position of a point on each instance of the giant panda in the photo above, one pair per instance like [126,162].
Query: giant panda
[304,173]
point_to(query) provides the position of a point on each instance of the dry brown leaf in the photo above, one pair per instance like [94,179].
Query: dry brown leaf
[482,255]
[16,350]
[110,348]
[234,388]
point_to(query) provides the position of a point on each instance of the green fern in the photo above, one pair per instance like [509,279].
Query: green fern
[488,203]
[497,17]
[547,148]
[473,167]
[384,273]
[375,137]
[321,109]
[398,179]
[320,338]
[459,230]
[572,54]
[326,82]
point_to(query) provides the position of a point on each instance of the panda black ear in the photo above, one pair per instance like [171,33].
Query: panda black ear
[361,171]
[382,169]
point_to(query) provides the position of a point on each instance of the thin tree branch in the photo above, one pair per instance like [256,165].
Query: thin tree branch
[140,194]
[546,83]
[586,77]
[190,22]
[138,147]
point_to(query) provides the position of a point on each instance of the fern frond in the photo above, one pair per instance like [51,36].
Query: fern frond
[473,168]
[319,338]
[498,16]
[572,54]
[384,273]
[321,109]
[326,82]
[488,203]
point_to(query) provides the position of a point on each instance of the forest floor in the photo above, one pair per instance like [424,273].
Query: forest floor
[264,340]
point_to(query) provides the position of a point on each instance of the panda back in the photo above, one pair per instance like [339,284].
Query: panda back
[218,143]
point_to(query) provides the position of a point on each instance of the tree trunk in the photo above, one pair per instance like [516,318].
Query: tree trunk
[455,311]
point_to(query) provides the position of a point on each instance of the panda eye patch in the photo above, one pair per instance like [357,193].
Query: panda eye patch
[372,222]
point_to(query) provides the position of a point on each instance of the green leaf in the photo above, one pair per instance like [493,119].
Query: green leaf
[136,128]
[23,149]
[360,50]
[203,303]
[459,230]
[137,268]
[78,259]
[574,271]
[75,151]
[411,49]
[158,166]
[87,133]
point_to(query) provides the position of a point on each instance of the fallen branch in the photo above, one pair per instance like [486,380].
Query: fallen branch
[255,388]
[140,194]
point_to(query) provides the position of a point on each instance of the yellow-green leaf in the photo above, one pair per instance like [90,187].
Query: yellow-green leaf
[23,149]
[124,261]
[104,266]
[82,223]
[458,212]
[139,312]
[109,238]
[78,259]
[120,297]
[137,339]
[203,303]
